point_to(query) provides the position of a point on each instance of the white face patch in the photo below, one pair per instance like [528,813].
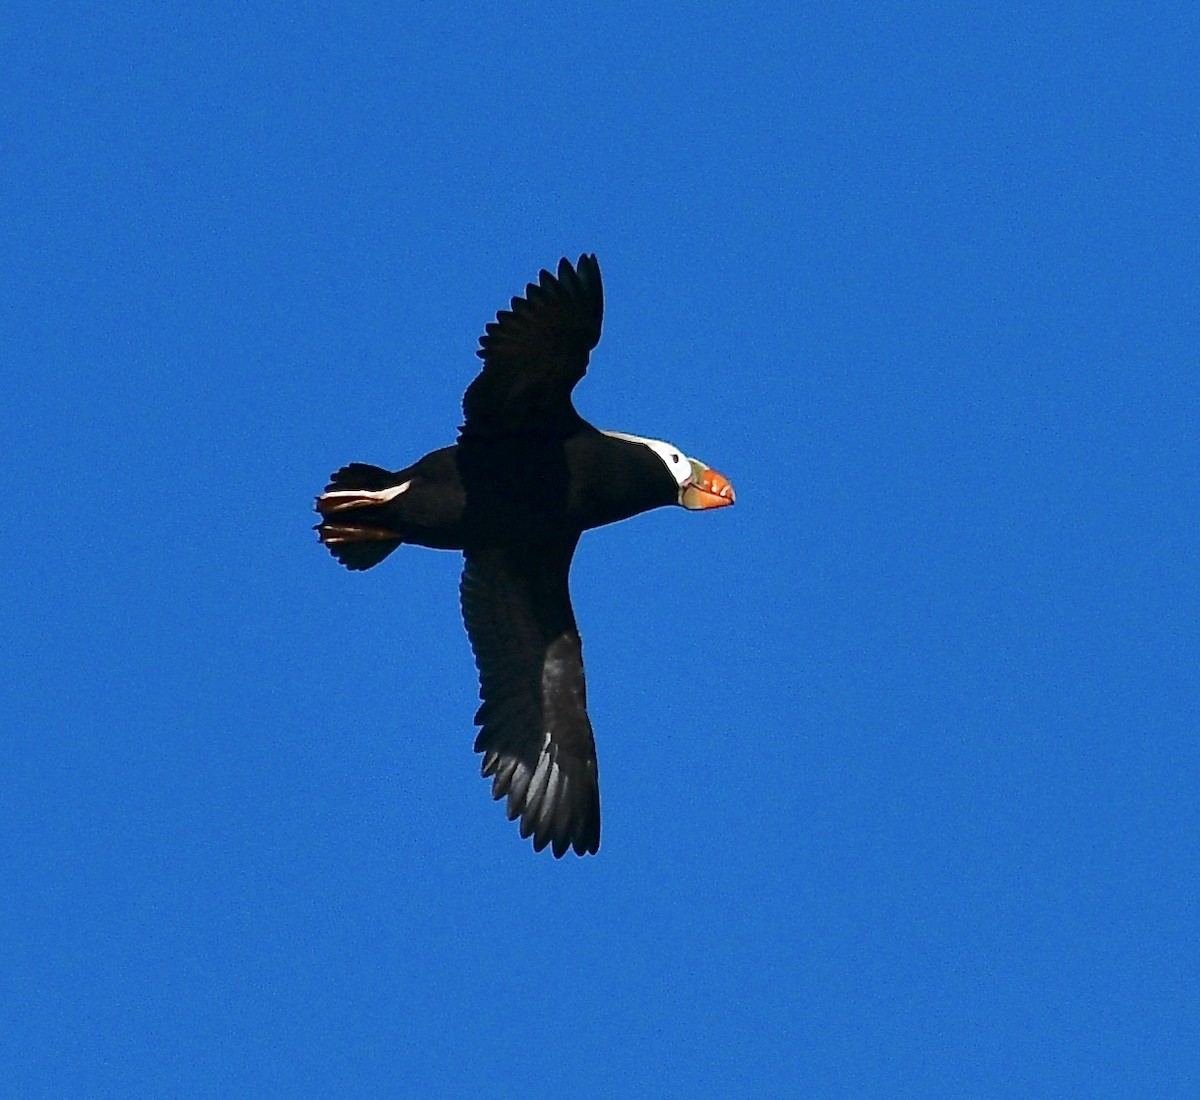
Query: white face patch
[677,463]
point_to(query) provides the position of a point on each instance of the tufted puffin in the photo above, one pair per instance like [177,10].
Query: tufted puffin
[527,476]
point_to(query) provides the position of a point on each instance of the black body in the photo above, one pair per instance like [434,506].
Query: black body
[487,492]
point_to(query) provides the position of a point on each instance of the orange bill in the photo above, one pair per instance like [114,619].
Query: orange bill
[707,489]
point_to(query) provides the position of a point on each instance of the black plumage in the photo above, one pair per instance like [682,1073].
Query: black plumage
[526,477]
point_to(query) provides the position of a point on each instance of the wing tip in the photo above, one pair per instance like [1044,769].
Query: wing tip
[580,281]
[551,810]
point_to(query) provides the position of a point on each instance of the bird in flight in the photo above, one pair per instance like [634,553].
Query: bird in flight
[527,476]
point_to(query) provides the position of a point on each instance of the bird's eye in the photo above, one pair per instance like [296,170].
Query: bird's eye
[674,457]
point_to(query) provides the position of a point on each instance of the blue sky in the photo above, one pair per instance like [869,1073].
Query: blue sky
[899,756]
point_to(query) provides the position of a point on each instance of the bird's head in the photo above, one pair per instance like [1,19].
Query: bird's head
[699,487]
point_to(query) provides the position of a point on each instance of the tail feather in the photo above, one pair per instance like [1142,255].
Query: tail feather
[355,552]
[361,475]
[357,537]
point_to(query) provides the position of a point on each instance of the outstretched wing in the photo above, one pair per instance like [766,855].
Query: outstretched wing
[534,353]
[535,738]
